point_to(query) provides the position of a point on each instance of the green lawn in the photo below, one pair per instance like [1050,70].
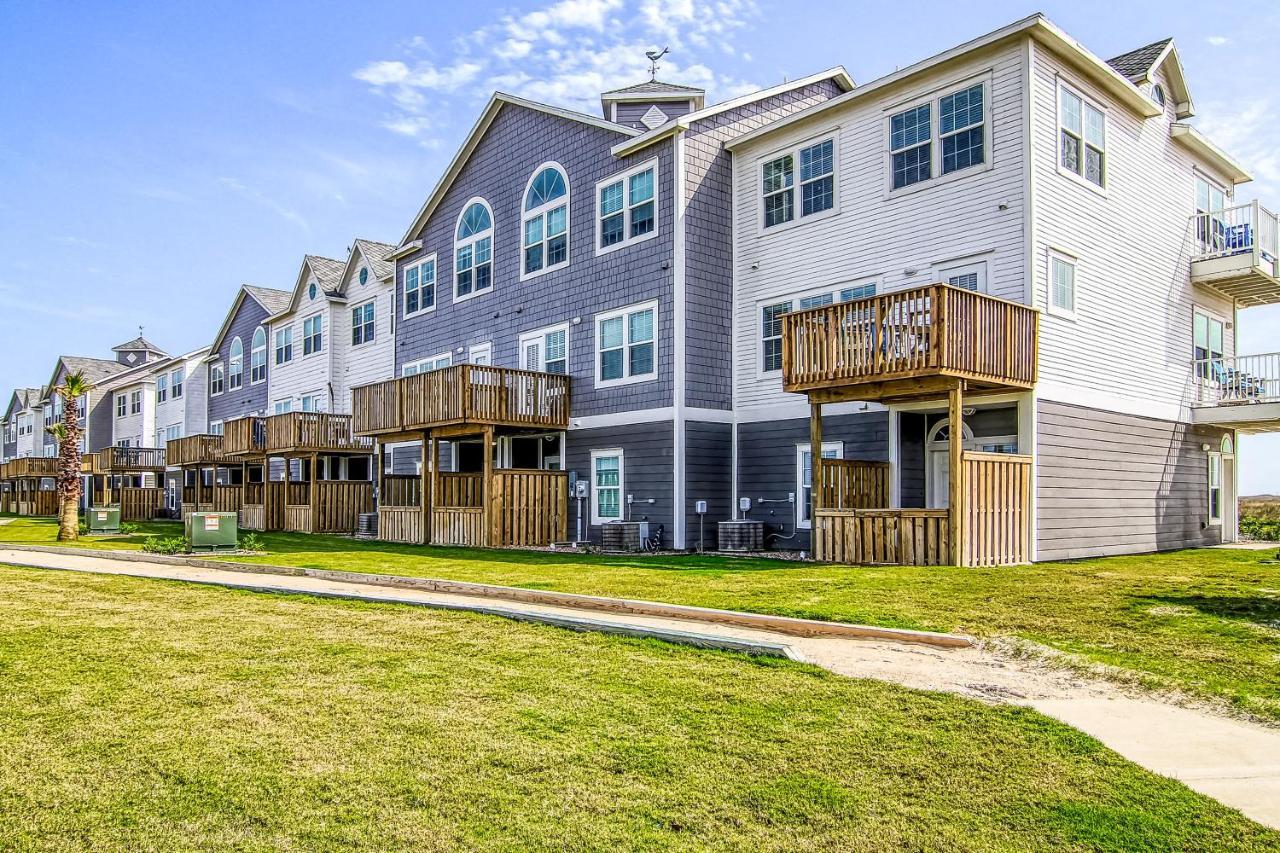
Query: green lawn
[1206,621]
[150,715]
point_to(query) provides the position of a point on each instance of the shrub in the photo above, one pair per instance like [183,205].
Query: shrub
[165,545]
[1262,529]
[128,529]
[83,529]
[252,542]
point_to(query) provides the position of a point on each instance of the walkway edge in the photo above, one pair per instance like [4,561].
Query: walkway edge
[777,624]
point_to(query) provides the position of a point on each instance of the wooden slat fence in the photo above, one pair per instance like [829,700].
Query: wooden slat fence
[854,484]
[339,504]
[244,436]
[907,537]
[297,519]
[140,504]
[937,329]
[457,526]
[315,431]
[998,509]
[195,449]
[400,524]
[401,491]
[532,508]
[459,490]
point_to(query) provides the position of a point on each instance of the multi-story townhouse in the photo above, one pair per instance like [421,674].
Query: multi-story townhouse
[569,244]
[20,423]
[181,409]
[232,391]
[299,343]
[364,332]
[1021,166]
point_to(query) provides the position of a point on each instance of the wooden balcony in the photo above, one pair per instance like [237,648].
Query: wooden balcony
[125,460]
[197,450]
[31,467]
[465,394]
[292,434]
[910,345]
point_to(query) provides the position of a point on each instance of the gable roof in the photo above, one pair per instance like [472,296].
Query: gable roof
[652,87]
[838,74]
[23,398]
[375,255]
[94,370]
[327,273]
[653,90]
[496,102]
[270,300]
[1037,26]
[1138,65]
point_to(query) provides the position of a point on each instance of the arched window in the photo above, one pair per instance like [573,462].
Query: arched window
[235,370]
[1228,448]
[473,251]
[546,221]
[258,357]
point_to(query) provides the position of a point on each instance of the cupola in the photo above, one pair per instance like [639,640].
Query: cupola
[651,104]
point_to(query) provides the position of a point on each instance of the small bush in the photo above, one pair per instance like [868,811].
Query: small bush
[1261,529]
[165,545]
[83,529]
[252,542]
[128,529]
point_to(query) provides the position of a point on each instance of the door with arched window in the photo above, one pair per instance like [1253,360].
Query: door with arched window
[937,470]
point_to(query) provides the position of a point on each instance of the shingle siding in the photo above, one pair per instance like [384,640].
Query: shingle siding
[1109,483]
[647,461]
[517,142]
[708,477]
[248,399]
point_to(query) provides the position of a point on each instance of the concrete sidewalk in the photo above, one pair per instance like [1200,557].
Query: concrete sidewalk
[1237,763]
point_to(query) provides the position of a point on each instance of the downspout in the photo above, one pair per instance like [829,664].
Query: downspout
[678,338]
[1029,406]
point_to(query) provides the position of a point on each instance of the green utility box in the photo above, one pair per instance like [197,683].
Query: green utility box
[104,519]
[209,531]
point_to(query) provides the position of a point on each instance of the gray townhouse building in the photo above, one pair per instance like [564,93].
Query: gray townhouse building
[597,247]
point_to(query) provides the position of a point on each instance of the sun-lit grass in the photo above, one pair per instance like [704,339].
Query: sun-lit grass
[149,715]
[1203,621]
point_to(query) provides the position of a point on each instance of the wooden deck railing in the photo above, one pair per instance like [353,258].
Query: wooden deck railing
[316,432]
[31,466]
[196,450]
[244,436]
[464,393]
[121,459]
[937,330]
[904,537]
[854,484]
[400,490]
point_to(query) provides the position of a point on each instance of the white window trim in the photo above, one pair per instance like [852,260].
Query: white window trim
[625,177]
[178,379]
[215,428]
[962,266]
[540,336]
[1213,457]
[317,407]
[1067,258]
[485,348]
[447,355]
[542,211]
[933,98]
[275,341]
[596,519]
[320,351]
[230,361]
[361,307]
[122,402]
[623,312]
[492,234]
[1061,83]
[435,277]
[794,150]
[217,365]
[794,299]
[282,406]
[836,447]
[266,351]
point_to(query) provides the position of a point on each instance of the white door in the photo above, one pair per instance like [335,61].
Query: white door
[1229,508]
[939,477]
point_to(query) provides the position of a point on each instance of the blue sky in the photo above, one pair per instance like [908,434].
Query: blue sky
[155,156]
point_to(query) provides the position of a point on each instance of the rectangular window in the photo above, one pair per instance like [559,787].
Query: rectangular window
[966,276]
[778,186]
[284,407]
[1210,197]
[626,208]
[1062,284]
[1215,488]
[217,378]
[284,345]
[910,146]
[606,480]
[162,388]
[176,380]
[426,365]
[1207,346]
[122,404]
[960,116]
[771,318]
[473,268]
[135,402]
[546,350]
[481,354]
[921,148]
[312,335]
[362,324]
[215,427]
[816,179]
[804,478]
[420,287]
[625,342]
[312,403]
[1082,137]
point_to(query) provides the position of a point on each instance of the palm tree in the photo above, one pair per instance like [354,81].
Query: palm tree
[68,433]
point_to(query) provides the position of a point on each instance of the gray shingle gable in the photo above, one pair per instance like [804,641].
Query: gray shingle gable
[1137,63]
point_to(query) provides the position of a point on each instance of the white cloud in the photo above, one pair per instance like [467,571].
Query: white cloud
[1218,41]
[1247,129]
[262,199]
[566,53]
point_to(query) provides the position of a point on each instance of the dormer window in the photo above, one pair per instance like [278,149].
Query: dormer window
[546,222]
[473,251]
[1157,93]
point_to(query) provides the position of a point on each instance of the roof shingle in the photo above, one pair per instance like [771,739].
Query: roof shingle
[274,301]
[1136,63]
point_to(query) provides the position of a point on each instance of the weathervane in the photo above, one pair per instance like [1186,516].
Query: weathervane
[654,56]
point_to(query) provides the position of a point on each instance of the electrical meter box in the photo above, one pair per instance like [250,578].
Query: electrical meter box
[209,531]
[104,519]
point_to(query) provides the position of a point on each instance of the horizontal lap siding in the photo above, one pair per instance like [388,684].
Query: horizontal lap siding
[767,464]
[648,471]
[370,362]
[708,477]
[1109,483]
[1134,296]
[874,237]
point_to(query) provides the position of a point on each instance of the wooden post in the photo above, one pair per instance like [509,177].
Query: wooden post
[313,491]
[955,479]
[213,490]
[284,499]
[487,498]
[427,486]
[815,470]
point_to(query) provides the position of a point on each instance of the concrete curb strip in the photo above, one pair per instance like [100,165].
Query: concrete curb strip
[618,606]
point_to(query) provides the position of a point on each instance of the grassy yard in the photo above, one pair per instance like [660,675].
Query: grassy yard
[150,715]
[1206,621]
